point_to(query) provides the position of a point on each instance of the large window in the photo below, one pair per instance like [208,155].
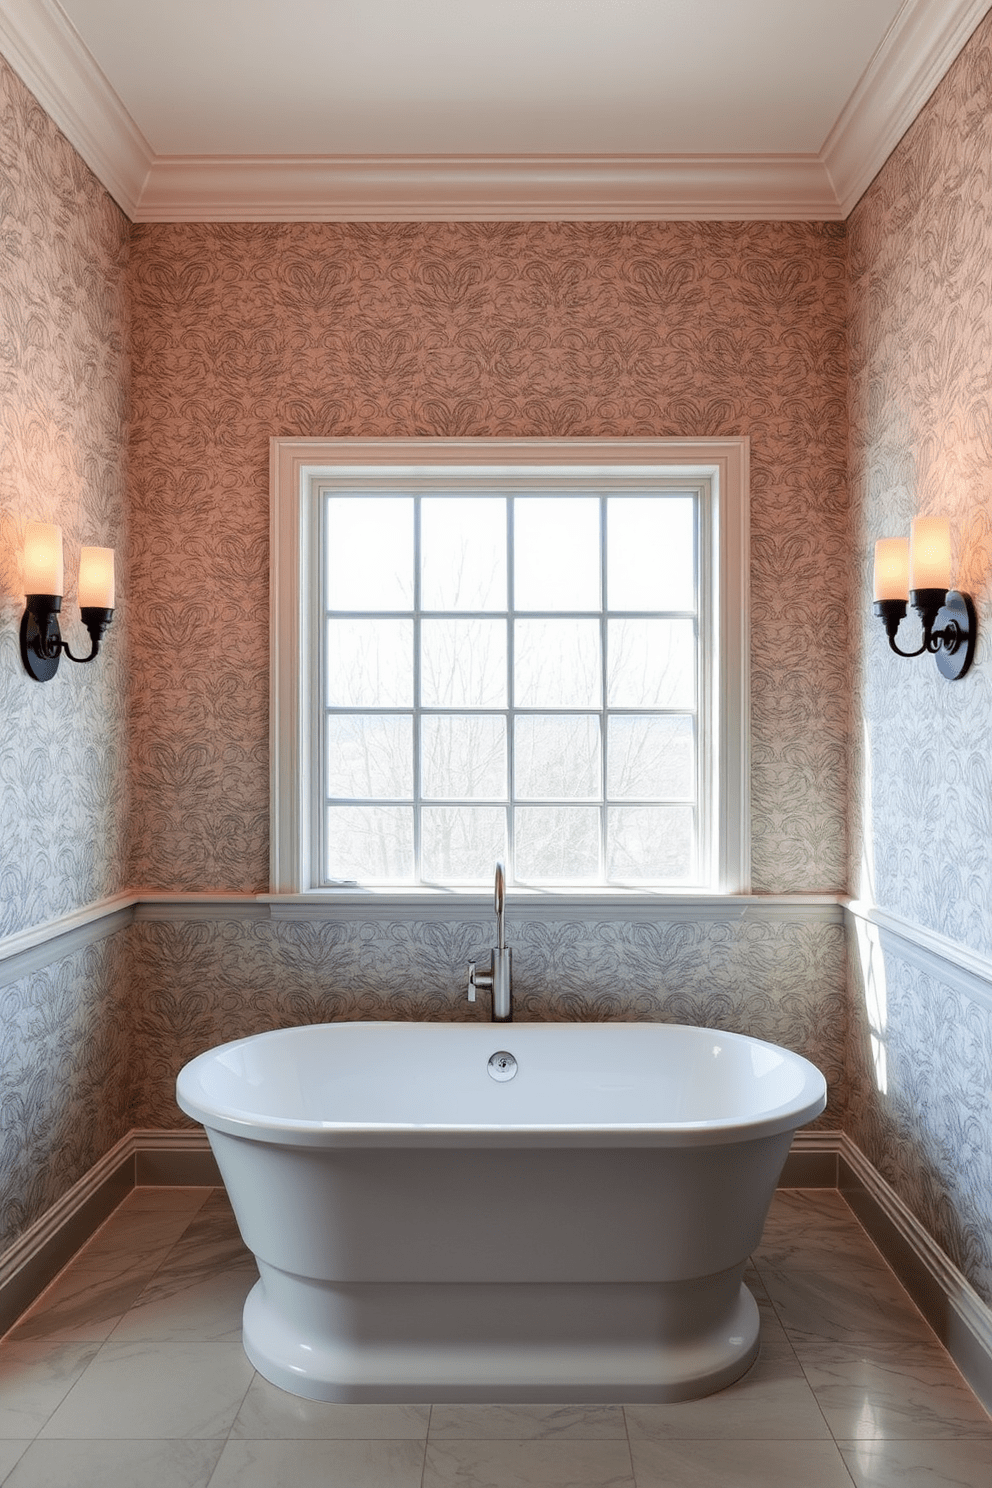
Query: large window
[525,650]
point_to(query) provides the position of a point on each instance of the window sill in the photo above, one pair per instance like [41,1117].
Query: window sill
[558,904]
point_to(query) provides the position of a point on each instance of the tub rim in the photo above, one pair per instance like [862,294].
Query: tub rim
[284,1131]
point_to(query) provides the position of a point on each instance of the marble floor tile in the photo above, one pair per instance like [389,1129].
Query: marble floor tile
[270,1413]
[172,1198]
[800,1209]
[817,1245]
[34,1380]
[147,1391]
[133,1238]
[894,1390]
[527,1422]
[116,1464]
[320,1464]
[211,1241]
[178,1305]
[528,1464]
[774,1341]
[82,1304]
[850,1306]
[773,1402]
[918,1464]
[10,1453]
[737,1464]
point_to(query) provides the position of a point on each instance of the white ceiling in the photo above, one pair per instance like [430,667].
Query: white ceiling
[258,109]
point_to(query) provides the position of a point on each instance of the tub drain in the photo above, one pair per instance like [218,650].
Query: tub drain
[502,1065]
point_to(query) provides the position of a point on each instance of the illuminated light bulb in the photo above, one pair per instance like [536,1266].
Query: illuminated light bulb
[892,568]
[96,578]
[44,572]
[930,554]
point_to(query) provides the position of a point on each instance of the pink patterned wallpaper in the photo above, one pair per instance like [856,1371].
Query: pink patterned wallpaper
[695,329]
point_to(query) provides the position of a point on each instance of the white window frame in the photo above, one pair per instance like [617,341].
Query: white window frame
[296,469]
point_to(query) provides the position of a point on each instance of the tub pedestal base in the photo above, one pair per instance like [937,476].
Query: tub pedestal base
[494,1342]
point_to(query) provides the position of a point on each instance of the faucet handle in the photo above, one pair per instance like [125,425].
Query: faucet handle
[479,979]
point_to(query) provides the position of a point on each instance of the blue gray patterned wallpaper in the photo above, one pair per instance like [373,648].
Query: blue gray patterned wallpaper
[921,810]
[197,983]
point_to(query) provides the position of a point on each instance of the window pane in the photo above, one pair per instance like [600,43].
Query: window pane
[463,663]
[651,759]
[652,664]
[650,553]
[556,553]
[369,546]
[460,844]
[557,758]
[369,755]
[464,757]
[650,843]
[463,553]
[557,844]
[370,663]
[557,664]
[370,844]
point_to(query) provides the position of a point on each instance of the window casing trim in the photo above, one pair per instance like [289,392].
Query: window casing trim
[294,465]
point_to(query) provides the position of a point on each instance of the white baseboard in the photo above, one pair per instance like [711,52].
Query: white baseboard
[822,1159]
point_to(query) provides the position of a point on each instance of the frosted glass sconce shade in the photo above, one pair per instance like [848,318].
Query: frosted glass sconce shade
[920,571]
[96,578]
[930,554]
[41,640]
[44,571]
[892,568]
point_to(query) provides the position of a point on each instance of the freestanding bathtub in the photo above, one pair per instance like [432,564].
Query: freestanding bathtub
[570,1223]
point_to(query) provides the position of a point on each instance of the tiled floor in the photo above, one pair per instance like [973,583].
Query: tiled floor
[129,1371]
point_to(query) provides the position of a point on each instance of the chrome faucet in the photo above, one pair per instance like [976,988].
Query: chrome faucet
[497,979]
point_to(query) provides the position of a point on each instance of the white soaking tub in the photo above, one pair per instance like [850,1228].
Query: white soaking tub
[425,1230]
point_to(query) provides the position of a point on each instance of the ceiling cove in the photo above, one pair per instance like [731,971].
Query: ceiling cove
[918,41]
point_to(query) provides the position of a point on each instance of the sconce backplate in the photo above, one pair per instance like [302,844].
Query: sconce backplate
[957,621]
[42,668]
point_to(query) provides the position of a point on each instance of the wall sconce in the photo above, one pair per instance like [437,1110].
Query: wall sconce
[919,569]
[41,640]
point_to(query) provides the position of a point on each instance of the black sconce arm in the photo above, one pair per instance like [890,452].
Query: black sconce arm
[951,642]
[41,640]
[96,621]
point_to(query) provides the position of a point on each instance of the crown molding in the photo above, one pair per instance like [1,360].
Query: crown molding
[916,52]
[487,188]
[49,56]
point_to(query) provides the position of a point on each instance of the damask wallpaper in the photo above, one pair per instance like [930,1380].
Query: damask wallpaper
[66,1077]
[245,331]
[63,432]
[198,983]
[921,441]
[64,1091]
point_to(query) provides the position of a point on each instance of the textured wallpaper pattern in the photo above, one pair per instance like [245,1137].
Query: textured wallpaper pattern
[245,331]
[921,441]
[63,429]
[64,1087]
[200,982]
[65,1077]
